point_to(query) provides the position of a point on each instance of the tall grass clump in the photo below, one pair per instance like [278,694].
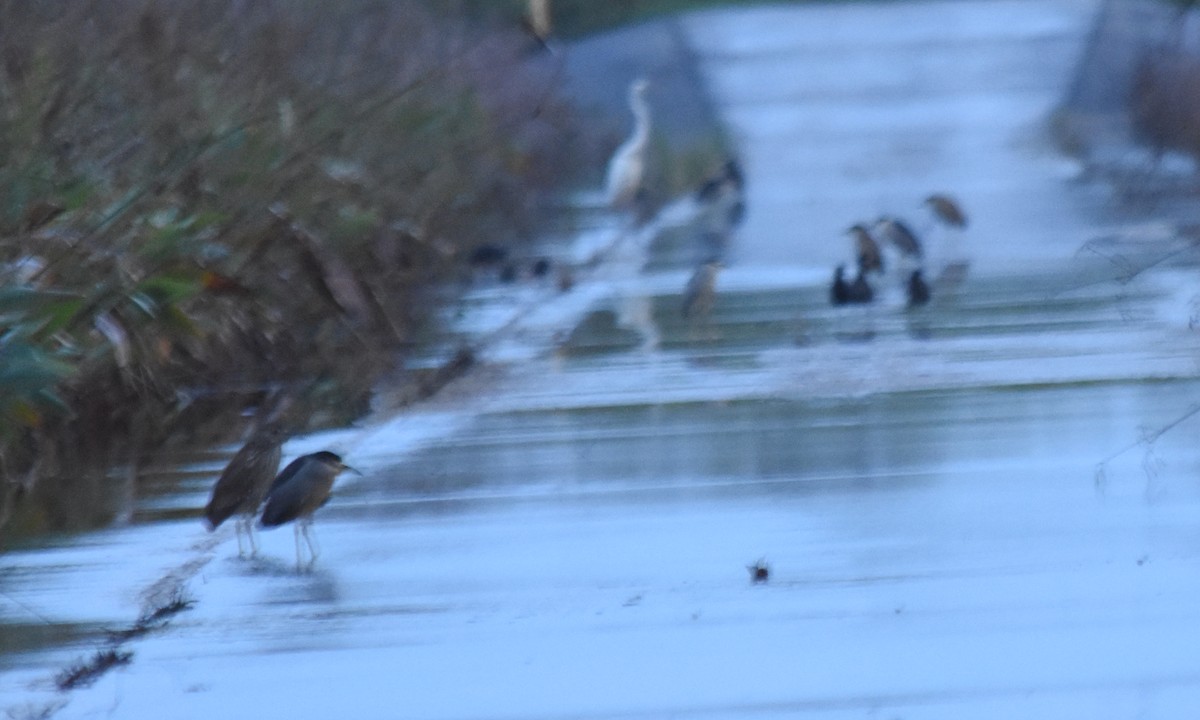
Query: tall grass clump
[206,202]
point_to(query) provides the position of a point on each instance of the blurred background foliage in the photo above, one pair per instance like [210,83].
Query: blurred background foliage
[573,19]
[204,203]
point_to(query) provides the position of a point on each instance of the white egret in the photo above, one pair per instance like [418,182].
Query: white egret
[627,167]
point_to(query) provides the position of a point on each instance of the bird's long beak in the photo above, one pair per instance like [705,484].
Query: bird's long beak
[346,467]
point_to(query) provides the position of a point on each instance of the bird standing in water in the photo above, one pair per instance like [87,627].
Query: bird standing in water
[899,234]
[947,210]
[627,167]
[918,290]
[866,250]
[299,491]
[841,292]
[701,290]
[243,484]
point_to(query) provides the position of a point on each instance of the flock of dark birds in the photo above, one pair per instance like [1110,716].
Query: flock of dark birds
[723,195]
[894,233]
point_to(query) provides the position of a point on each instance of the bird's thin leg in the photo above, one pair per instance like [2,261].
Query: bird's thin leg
[249,520]
[313,548]
[237,530]
[296,533]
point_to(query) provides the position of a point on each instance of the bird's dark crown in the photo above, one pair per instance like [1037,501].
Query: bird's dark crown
[327,457]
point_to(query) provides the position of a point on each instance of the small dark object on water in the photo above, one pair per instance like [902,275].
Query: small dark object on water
[918,291]
[508,273]
[760,572]
[541,267]
[488,254]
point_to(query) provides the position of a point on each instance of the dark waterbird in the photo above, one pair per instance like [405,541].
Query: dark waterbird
[918,289]
[857,292]
[243,484]
[300,490]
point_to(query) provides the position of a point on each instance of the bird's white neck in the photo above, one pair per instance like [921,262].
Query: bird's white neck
[641,118]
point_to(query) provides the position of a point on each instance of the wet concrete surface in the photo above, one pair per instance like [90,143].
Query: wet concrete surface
[964,508]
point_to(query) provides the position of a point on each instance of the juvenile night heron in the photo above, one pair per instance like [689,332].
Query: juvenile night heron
[947,210]
[866,250]
[849,293]
[701,290]
[302,488]
[243,484]
[918,290]
[628,164]
[899,234]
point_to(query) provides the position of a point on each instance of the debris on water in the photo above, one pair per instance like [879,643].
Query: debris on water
[760,572]
[153,618]
[82,674]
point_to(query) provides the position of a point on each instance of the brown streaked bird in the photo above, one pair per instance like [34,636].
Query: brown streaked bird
[701,291]
[299,491]
[947,210]
[866,250]
[899,234]
[243,484]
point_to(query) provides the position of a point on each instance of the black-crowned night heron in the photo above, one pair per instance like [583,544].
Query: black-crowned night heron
[947,210]
[701,290]
[724,194]
[628,164]
[302,488]
[866,250]
[899,234]
[243,484]
[852,293]
[918,290]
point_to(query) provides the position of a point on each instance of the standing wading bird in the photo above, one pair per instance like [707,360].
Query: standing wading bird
[947,210]
[628,164]
[302,488]
[918,290]
[841,292]
[701,290]
[899,234]
[243,484]
[866,250]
